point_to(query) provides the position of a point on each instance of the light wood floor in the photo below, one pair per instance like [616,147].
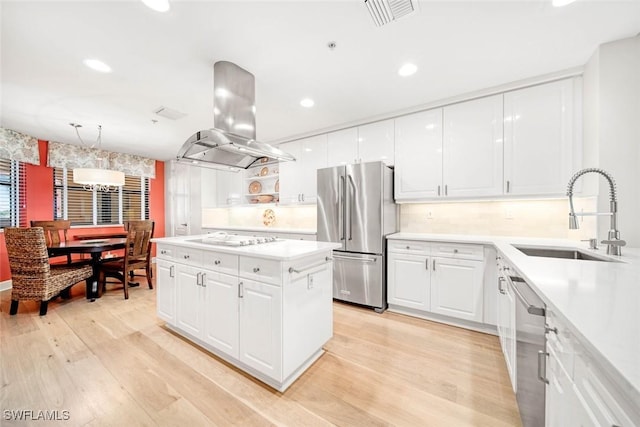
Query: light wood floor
[112,363]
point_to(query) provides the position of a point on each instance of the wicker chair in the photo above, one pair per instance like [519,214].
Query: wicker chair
[31,275]
[55,232]
[136,255]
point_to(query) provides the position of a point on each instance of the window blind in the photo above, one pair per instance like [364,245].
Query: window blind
[82,207]
[13,192]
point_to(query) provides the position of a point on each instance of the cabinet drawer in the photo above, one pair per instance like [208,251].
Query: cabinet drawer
[458,250]
[409,247]
[261,270]
[188,256]
[562,342]
[221,262]
[166,252]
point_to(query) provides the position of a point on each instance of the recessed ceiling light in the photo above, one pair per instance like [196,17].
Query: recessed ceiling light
[97,65]
[157,5]
[307,103]
[407,69]
[560,3]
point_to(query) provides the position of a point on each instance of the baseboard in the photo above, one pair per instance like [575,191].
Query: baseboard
[7,284]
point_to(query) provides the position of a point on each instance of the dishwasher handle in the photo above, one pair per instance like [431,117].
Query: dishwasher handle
[531,309]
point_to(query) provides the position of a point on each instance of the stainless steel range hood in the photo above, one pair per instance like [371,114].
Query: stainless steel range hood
[231,143]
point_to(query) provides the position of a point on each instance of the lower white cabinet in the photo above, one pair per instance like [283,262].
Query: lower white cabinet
[506,325]
[456,288]
[449,285]
[268,317]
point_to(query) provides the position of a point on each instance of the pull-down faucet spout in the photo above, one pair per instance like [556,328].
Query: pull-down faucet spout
[613,241]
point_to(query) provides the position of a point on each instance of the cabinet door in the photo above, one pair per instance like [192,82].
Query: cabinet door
[298,179]
[456,288]
[188,300]
[221,312]
[540,125]
[166,290]
[510,336]
[290,182]
[472,148]
[409,281]
[261,327]
[342,147]
[418,156]
[179,188]
[376,142]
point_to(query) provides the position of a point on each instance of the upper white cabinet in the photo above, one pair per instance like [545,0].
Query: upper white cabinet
[368,143]
[472,148]
[418,157]
[541,129]
[298,178]
[376,142]
[342,147]
[220,188]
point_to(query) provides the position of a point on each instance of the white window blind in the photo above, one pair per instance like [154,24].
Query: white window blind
[12,194]
[82,207]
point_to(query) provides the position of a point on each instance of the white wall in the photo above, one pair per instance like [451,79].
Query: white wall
[612,102]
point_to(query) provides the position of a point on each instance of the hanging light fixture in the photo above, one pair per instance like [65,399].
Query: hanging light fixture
[101,178]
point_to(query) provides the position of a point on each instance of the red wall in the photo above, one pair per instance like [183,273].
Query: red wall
[40,204]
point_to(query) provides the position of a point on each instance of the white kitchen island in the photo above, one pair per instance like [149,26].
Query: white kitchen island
[265,308]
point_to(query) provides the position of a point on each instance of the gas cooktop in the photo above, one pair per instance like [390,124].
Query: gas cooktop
[235,240]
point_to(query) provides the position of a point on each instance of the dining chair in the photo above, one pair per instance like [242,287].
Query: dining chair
[137,255]
[55,232]
[32,277]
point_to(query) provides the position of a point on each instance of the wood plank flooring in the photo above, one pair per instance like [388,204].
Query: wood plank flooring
[113,363]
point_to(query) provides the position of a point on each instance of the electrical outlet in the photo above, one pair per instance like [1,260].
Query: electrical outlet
[429,215]
[508,214]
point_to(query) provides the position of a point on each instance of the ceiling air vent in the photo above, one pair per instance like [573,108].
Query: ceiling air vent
[169,113]
[385,11]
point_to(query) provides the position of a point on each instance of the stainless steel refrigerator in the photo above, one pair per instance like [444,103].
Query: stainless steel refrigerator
[356,209]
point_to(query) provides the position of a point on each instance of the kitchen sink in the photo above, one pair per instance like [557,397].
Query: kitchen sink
[561,253]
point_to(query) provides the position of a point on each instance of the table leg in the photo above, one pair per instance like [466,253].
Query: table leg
[93,289]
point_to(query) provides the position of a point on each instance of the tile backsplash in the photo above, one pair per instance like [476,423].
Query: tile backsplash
[291,217]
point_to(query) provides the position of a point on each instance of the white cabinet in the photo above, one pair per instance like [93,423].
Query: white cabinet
[220,188]
[261,327]
[184,215]
[221,312]
[409,280]
[298,179]
[472,148]
[418,156]
[189,297]
[541,130]
[166,289]
[376,142]
[342,147]
[506,325]
[435,277]
[456,288]
[367,143]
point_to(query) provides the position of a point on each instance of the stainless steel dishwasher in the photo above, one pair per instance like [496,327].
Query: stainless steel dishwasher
[530,353]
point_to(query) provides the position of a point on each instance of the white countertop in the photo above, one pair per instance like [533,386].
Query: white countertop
[600,301]
[282,250]
[263,229]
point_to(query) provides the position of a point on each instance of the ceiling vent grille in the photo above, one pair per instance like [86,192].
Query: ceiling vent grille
[385,11]
[169,113]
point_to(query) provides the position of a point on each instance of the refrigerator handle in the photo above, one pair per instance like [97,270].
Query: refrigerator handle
[350,202]
[341,194]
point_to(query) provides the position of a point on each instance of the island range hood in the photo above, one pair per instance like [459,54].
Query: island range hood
[231,142]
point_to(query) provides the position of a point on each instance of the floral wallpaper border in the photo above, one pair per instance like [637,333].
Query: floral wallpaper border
[18,146]
[74,156]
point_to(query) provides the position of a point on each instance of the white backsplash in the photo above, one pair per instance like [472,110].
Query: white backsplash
[290,217]
[527,218]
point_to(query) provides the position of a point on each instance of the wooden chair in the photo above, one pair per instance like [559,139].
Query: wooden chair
[33,278]
[137,254]
[55,232]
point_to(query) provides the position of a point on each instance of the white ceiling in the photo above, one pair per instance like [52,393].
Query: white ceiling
[166,59]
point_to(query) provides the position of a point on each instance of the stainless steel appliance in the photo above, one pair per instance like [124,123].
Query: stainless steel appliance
[356,209]
[530,352]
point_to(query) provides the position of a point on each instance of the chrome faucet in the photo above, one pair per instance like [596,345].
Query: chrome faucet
[613,241]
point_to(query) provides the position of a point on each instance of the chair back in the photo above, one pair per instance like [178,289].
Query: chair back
[27,250]
[55,231]
[139,234]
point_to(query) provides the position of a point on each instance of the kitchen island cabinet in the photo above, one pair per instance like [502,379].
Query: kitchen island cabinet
[264,308]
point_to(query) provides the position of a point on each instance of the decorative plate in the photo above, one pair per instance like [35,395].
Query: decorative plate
[268,217]
[277,187]
[264,171]
[255,187]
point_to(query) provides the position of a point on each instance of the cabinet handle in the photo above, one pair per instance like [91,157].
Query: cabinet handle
[163,252]
[446,190]
[217,262]
[202,280]
[426,263]
[198,279]
[547,329]
[434,265]
[500,282]
[542,373]
[310,282]
[172,271]
[185,256]
[438,190]
[455,251]
[256,269]
[303,197]
[241,290]
[508,186]
[408,247]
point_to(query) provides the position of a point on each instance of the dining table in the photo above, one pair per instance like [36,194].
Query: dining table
[94,247]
